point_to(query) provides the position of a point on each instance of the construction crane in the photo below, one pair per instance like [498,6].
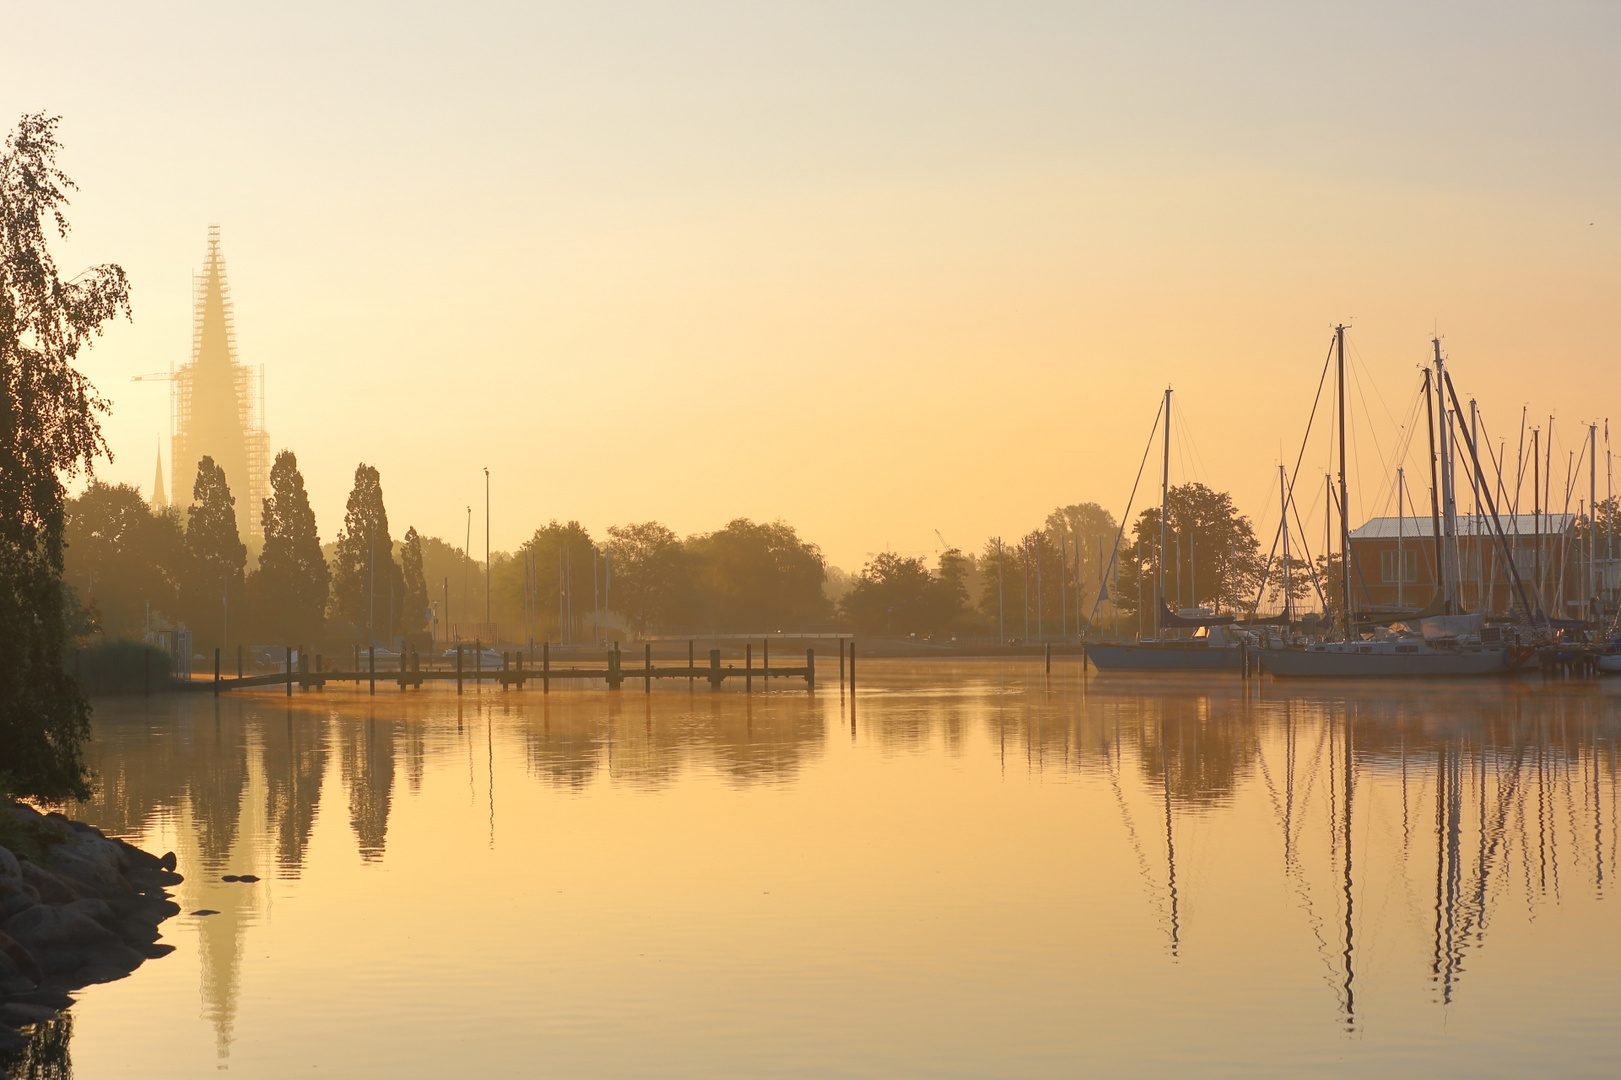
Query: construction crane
[944,546]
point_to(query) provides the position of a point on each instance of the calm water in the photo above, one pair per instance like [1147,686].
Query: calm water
[975,872]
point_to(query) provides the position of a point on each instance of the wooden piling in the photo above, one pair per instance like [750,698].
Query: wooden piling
[748,666]
[478,664]
[458,668]
[545,667]
[691,672]
[1049,658]
[841,663]
[289,658]
[239,661]
[216,671]
[614,677]
[303,669]
[852,673]
[371,664]
[647,666]
[765,663]
[714,669]
[810,669]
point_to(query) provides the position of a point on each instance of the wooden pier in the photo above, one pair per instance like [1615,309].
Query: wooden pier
[406,671]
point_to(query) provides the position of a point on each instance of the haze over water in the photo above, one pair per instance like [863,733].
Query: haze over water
[986,872]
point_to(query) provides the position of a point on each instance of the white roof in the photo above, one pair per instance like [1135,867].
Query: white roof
[1389,528]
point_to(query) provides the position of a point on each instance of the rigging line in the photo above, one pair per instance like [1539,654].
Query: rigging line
[1305,440]
[1120,532]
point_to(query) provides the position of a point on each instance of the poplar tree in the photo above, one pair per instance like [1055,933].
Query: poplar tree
[49,430]
[367,589]
[415,583]
[291,586]
[215,592]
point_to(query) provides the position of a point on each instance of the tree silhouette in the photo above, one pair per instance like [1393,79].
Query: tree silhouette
[368,590]
[48,430]
[415,613]
[291,586]
[123,559]
[213,593]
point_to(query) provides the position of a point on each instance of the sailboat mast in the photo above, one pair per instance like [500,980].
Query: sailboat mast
[1449,506]
[1435,486]
[1401,529]
[1345,522]
[1592,522]
[1164,498]
[1283,501]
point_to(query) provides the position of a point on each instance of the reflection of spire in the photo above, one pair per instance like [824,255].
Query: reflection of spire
[368,770]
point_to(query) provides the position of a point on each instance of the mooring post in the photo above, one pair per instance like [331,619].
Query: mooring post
[1049,658]
[320,669]
[458,667]
[647,666]
[546,667]
[765,662]
[519,657]
[810,669]
[303,669]
[371,663]
[289,651]
[841,663]
[691,667]
[852,672]
[478,664]
[614,678]
[715,676]
[506,669]
[748,665]
[239,661]
[216,671]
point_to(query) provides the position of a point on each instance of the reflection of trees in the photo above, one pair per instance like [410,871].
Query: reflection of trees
[367,756]
[294,760]
[647,742]
[1202,746]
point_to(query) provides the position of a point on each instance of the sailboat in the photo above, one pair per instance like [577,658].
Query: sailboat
[1440,645]
[1214,644]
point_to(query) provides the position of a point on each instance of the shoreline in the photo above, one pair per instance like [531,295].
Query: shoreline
[77,907]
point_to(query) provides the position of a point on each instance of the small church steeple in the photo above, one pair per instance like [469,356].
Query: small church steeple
[159,500]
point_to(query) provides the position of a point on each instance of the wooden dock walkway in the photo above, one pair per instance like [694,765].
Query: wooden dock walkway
[513,674]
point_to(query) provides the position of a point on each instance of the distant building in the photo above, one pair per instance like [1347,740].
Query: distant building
[218,403]
[1394,564]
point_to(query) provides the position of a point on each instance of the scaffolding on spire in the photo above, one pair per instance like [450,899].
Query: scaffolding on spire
[217,403]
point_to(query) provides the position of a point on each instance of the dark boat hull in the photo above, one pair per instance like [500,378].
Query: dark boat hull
[1163,656]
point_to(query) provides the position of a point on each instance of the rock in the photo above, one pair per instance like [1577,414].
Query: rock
[8,864]
[83,863]
[54,999]
[14,896]
[134,857]
[14,952]
[13,980]
[167,862]
[205,911]
[152,881]
[72,946]
[134,932]
[52,888]
[19,1013]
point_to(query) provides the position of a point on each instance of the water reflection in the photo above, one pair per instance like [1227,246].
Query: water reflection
[1420,816]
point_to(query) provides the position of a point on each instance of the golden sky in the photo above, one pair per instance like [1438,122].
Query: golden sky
[877,269]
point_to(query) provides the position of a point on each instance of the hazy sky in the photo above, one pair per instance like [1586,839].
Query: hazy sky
[877,269]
